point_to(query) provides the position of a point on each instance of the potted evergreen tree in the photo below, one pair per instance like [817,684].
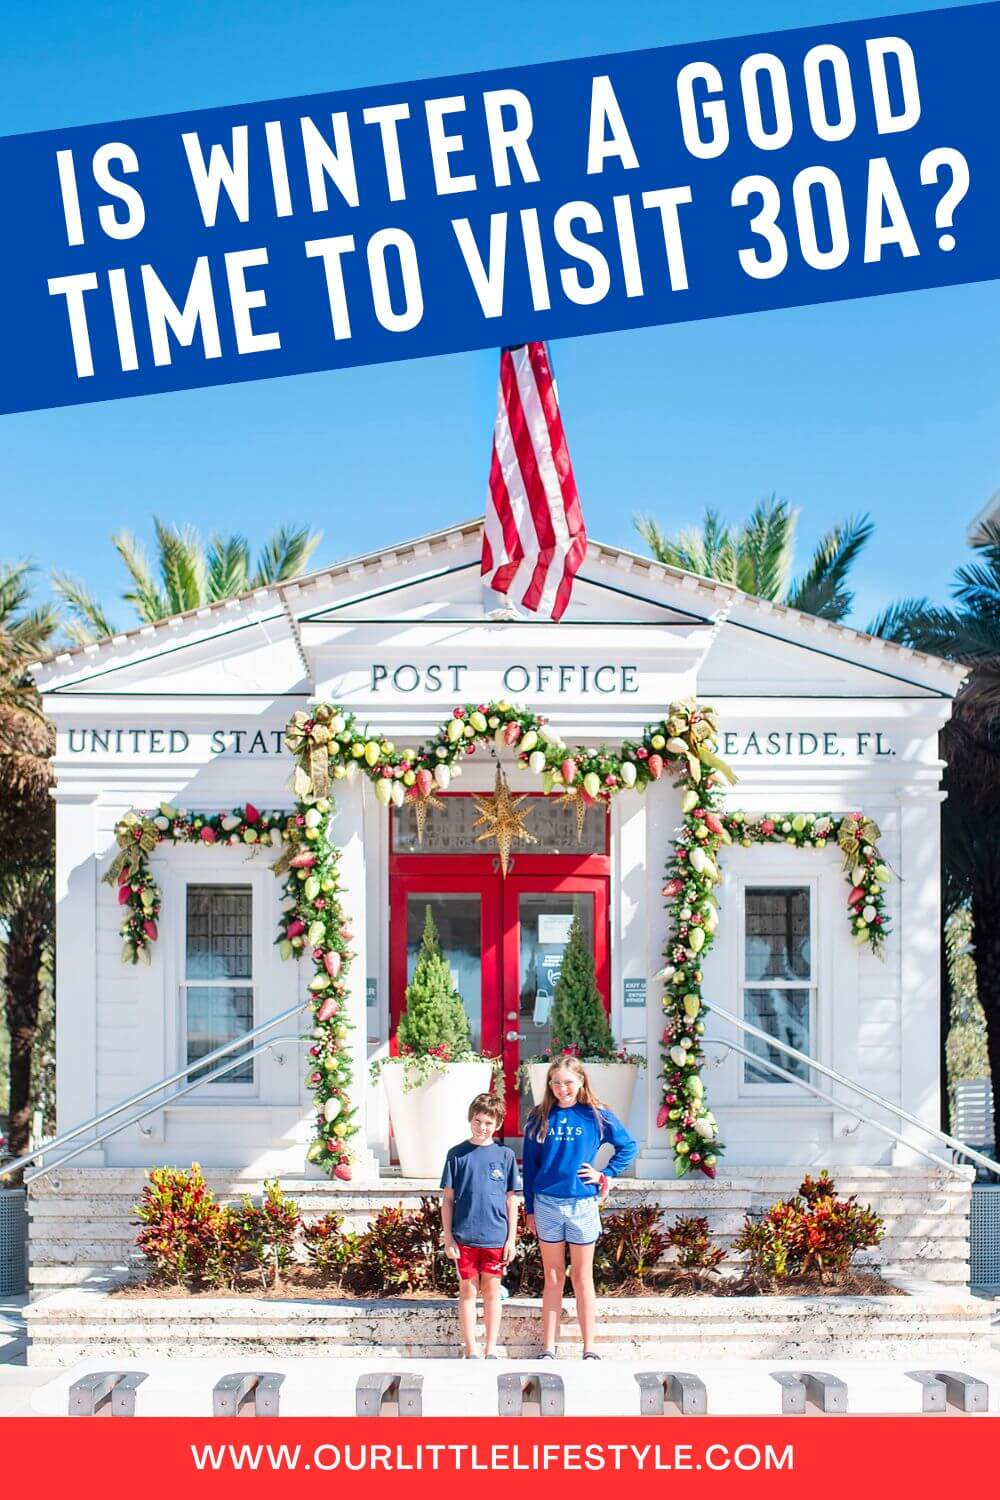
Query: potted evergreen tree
[578,1024]
[435,1075]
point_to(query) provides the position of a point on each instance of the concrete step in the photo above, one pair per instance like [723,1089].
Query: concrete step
[108,1327]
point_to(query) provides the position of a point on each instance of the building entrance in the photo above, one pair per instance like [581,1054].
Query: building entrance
[503,937]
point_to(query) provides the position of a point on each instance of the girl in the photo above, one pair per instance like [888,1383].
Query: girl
[562,1188]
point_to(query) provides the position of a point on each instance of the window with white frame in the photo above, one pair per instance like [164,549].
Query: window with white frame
[778,976]
[218,974]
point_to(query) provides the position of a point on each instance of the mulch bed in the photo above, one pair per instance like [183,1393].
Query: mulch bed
[304,1281]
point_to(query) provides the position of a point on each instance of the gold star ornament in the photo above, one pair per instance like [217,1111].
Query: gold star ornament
[504,822]
[421,807]
[574,799]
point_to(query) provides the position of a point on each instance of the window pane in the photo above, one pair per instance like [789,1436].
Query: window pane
[219,923]
[450,829]
[777,932]
[545,920]
[215,1015]
[459,927]
[781,1013]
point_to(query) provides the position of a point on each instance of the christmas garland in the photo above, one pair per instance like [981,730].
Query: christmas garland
[691,875]
[138,834]
[329,746]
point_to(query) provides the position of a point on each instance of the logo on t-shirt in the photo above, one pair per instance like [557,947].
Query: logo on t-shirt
[563,1130]
[496,1172]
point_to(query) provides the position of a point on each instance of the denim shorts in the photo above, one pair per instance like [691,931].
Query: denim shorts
[575,1221]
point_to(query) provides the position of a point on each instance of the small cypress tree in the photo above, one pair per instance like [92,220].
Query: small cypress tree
[578,1018]
[434,1016]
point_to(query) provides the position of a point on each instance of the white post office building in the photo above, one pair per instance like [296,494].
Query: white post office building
[815,717]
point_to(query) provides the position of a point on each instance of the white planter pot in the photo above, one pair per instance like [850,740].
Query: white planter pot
[434,1116]
[613,1083]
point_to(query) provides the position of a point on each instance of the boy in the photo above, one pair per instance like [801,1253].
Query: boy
[479,1216]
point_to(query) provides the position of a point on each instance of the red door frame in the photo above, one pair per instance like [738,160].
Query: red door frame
[443,881]
[479,874]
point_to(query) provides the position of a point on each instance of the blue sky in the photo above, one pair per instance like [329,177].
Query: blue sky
[888,405]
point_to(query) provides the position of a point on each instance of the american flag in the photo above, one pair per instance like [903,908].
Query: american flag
[534,542]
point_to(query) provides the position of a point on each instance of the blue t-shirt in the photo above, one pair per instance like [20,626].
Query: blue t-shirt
[480,1177]
[573,1138]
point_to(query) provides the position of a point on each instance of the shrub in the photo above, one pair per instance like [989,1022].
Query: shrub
[393,1255]
[268,1231]
[692,1241]
[179,1218]
[326,1244]
[632,1241]
[434,1021]
[579,1022]
[813,1232]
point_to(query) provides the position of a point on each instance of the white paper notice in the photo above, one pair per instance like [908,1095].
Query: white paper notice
[553,927]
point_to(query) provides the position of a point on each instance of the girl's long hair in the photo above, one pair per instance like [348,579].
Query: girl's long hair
[537,1123]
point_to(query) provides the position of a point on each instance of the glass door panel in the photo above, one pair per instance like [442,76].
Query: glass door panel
[537,914]
[458,919]
[544,921]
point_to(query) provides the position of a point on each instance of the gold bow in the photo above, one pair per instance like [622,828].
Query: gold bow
[137,838]
[307,736]
[696,740]
[852,835]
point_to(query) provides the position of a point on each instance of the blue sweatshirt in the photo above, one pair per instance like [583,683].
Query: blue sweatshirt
[550,1167]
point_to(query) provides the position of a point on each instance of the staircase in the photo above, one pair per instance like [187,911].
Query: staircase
[80,1217]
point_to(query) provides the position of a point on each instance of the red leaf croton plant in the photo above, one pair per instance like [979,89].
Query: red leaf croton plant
[329,745]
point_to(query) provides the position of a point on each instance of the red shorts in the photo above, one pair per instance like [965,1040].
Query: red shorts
[476,1260]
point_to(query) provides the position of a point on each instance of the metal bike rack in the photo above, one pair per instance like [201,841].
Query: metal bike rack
[530,1394]
[944,1388]
[803,1388]
[249,1394]
[106,1393]
[658,1389]
[386,1394]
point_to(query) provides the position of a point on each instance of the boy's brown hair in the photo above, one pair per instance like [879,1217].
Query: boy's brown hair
[488,1104]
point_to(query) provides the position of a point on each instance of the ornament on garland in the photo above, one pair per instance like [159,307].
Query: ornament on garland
[504,820]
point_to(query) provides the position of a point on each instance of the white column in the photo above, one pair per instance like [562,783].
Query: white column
[629,926]
[919,937]
[347,831]
[656,1159]
[76,962]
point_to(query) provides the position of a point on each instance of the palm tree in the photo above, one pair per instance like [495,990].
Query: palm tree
[757,556]
[970,823]
[27,829]
[186,574]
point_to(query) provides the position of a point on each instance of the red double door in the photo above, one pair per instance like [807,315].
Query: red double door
[503,938]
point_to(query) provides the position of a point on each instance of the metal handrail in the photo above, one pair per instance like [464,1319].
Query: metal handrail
[857,1088]
[235,1062]
[20,1162]
[764,1062]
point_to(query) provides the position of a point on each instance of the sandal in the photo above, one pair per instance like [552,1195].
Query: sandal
[590,1354]
[547,1354]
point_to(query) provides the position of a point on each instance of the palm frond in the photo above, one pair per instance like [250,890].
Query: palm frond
[88,621]
[13,590]
[285,555]
[764,548]
[182,566]
[822,590]
[148,601]
[34,629]
[901,622]
[228,564]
